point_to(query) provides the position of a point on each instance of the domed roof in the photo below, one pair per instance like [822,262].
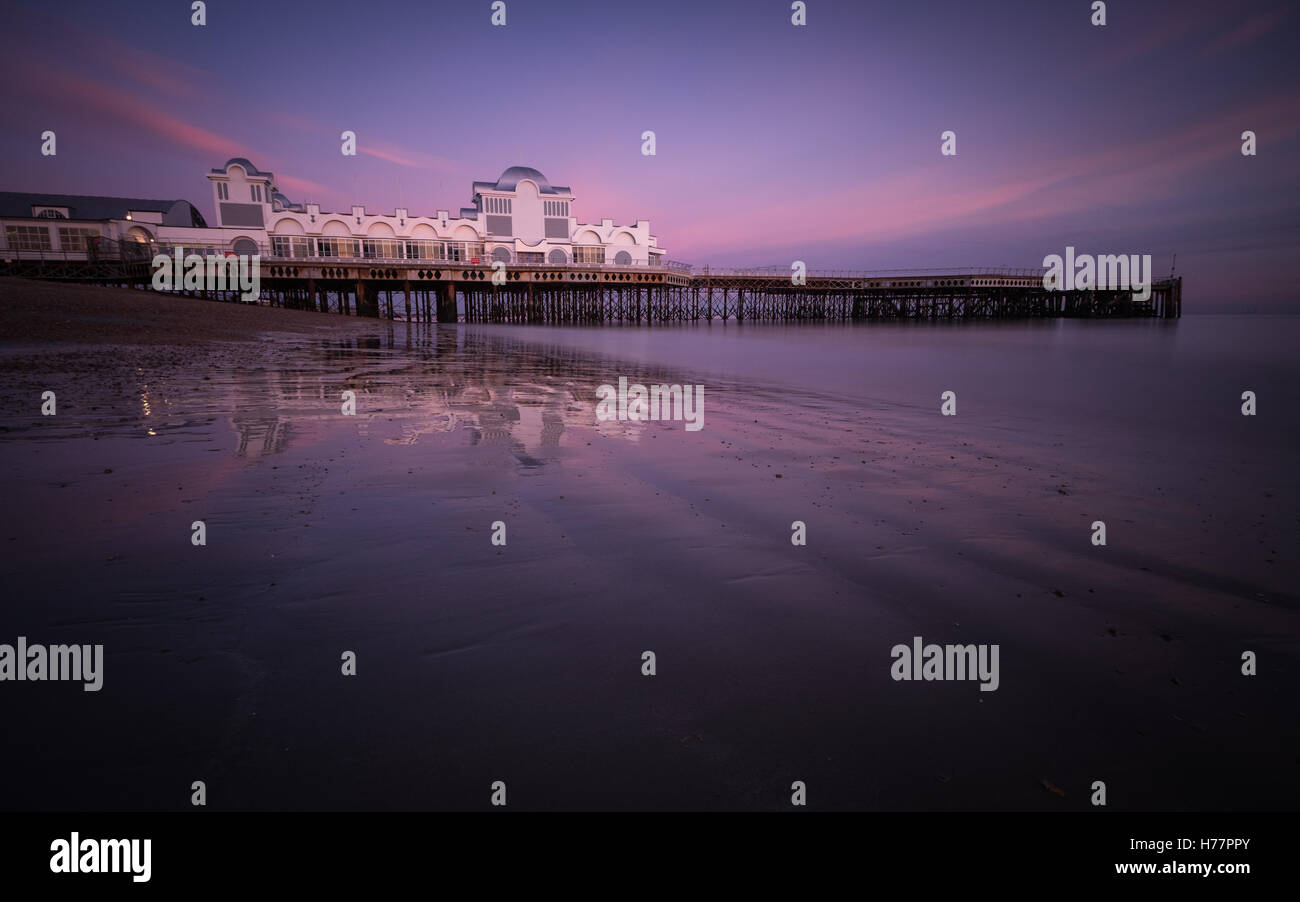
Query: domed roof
[516,174]
[241,161]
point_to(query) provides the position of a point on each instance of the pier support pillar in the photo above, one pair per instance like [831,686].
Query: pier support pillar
[447,304]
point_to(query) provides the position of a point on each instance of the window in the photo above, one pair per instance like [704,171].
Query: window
[255,191]
[499,206]
[51,214]
[223,191]
[290,246]
[76,240]
[28,238]
[424,250]
[530,258]
[556,207]
[373,249]
[465,250]
[588,255]
[336,247]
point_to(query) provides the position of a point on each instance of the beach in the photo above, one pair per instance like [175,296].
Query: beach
[523,662]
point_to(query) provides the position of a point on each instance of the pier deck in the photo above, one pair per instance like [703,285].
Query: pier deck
[464,291]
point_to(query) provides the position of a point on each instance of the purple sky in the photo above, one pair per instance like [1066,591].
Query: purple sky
[775,143]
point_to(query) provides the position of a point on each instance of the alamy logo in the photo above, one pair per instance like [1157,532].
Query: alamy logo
[103,856]
[1108,272]
[946,662]
[240,273]
[637,403]
[58,662]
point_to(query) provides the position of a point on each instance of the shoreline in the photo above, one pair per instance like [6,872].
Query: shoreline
[39,312]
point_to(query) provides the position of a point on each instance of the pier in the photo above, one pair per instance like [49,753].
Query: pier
[474,291]
[517,254]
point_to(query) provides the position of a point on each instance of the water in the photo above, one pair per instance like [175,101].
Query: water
[478,662]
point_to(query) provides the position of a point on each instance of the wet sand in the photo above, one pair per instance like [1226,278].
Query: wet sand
[478,663]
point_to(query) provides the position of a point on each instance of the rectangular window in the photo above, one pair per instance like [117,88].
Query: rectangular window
[424,250]
[288,246]
[377,249]
[336,247]
[76,240]
[530,258]
[588,255]
[465,251]
[28,238]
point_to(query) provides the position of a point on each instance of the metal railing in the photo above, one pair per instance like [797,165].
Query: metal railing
[885,274]
[97,250]
[108,250]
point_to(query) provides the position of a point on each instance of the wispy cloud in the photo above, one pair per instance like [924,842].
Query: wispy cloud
[92,99]
[931,199]
[1249,31]
[402,156]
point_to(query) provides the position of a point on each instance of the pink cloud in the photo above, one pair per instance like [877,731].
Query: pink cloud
[395,153]
[96,99]
[303,190]
[1248,32]
[934,197]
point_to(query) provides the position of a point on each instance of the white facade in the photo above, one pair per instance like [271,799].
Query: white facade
[518,219]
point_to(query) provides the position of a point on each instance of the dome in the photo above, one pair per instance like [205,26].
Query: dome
[516,174]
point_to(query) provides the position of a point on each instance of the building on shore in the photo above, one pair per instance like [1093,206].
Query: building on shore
[521,218]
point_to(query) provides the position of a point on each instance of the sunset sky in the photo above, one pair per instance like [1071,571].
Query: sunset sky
[774,142]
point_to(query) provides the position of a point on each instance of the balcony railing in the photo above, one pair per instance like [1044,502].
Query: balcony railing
[106,250]
[93,250]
